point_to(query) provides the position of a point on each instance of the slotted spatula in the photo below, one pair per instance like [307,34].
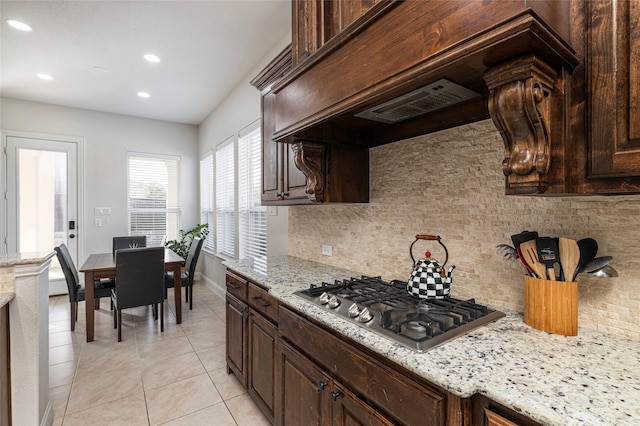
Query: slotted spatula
[548,255]
[530,255]
[569,256]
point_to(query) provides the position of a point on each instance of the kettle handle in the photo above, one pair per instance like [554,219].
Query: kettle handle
[429,238]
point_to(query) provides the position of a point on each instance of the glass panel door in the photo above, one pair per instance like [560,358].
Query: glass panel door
[41,200]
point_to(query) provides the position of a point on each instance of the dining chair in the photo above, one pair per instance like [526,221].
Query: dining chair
[139,282]
[129,242]
[189,272]
[102,288]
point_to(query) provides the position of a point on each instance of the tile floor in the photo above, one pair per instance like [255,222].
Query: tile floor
[178,377]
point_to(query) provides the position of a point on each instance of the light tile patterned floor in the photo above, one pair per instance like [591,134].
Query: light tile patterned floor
[178,377]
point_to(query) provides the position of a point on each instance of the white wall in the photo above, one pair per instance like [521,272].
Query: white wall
[107,139]
[239,109]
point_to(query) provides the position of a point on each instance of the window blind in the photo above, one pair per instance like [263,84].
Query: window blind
[206,198]
[225,199]
[153,197]
[252,218]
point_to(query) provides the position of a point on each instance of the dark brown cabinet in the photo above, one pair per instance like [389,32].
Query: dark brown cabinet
[613,88]
[315,22]
[304,171]
[282,181]
[489,413]
[236,338]
[5,381]
[312,397]
[251,339]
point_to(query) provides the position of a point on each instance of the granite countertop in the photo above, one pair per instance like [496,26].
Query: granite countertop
[589,379]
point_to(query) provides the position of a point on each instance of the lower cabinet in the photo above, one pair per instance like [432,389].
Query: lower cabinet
[236,338]
[308,396]
[262,343]
[489,413]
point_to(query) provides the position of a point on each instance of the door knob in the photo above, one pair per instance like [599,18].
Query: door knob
[72,235]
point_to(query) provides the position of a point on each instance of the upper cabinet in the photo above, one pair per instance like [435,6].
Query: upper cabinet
[316,22]
[613,95]
[559,79]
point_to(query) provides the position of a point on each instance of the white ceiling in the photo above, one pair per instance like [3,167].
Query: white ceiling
[94,50]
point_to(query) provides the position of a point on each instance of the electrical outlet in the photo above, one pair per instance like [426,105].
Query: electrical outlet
[97,222]
[327,250]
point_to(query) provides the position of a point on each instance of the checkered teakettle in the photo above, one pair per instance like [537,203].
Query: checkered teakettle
[427,281]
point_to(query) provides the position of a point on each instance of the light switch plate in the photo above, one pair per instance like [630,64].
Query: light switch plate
[327,250]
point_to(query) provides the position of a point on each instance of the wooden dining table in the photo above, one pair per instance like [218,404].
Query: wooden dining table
[103,265]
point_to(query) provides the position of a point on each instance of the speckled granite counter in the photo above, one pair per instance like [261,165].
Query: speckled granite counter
[590,379]
[7,276]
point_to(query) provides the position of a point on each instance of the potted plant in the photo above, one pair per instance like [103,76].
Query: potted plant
[182,245]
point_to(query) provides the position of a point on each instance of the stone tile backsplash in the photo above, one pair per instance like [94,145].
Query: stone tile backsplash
[450,184]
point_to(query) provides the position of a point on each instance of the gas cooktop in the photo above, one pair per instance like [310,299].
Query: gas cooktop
[388,309]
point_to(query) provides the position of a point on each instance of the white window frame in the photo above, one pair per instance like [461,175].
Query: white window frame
[226,199]
[171,229]
[252,215]
[207,206]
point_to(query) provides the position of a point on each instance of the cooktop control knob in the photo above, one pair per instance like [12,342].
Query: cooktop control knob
[365,315]
[353,311]
[324,298]
[334,302]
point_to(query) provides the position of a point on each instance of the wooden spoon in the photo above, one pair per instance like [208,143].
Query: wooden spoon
[530,254]
[569,256]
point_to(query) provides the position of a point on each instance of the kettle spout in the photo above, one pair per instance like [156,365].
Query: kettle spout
[450,270]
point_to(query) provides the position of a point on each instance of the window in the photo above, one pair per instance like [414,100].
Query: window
[206,198]
[225,199]
[153,197]
[252,216]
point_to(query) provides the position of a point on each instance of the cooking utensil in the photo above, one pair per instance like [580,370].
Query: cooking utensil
[524,263]
[569,256]
[596,263]
[606,271]
[510,253]
[588,250]
[530,255]
[522,237]
[547,254]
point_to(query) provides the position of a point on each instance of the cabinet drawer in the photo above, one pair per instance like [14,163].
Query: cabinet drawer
[260,300]
[237,286]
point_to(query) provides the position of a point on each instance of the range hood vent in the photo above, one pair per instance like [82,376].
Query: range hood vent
[435,96]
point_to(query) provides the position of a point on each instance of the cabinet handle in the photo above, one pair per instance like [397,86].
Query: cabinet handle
[322,385]
[285,194]
[335,395]
[260,302]
[232,285]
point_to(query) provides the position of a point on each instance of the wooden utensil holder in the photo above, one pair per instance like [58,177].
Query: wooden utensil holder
[551,306]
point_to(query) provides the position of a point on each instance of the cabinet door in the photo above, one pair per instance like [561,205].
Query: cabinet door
[343,12]
[302,390]
[236,338]
[348,409]
[613,82]
[271,153]
[295,181]
[307,29]
[262,356]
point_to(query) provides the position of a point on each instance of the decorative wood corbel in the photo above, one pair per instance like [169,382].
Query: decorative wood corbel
[309,158]
[520,104]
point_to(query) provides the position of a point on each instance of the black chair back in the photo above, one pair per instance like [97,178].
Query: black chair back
[139,276]
[69,270]
[192,257]
[129,242]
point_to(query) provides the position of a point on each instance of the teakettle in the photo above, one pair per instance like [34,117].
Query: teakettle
[427,281]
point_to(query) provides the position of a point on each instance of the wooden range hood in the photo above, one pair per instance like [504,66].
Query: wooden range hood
[512,53]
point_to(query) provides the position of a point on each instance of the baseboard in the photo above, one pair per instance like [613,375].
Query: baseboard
[47,417]
[212,285]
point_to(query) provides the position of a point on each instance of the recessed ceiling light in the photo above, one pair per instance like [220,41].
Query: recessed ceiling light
[44,76]
[144,94]
[18,25]
[151,58]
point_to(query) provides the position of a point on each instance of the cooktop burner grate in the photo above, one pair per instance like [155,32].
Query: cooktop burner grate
[389,310]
